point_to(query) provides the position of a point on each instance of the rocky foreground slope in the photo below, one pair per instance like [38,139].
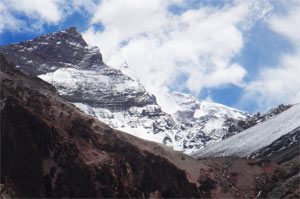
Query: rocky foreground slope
[81,77]
[49,148]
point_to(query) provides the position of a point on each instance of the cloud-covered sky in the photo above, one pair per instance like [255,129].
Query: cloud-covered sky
[241,53]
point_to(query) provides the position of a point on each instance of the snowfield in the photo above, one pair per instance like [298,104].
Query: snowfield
[256,137]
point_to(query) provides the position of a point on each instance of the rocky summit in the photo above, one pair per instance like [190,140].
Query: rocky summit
[111,95]
[50,149]
[53,51]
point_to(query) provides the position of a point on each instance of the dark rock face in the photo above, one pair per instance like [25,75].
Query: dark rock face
[52,51]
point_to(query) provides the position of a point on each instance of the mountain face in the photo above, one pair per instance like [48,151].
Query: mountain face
[82,78]
[50,149]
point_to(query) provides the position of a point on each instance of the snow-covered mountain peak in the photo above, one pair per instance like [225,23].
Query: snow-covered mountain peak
[115,96]
[69,36]
[198,109]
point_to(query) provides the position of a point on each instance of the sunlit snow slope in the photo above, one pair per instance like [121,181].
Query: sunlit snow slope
[256,137]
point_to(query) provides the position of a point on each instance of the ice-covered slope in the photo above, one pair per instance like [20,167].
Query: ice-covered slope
[115,96]
[256,137]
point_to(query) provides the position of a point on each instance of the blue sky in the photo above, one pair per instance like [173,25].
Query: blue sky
[243,54]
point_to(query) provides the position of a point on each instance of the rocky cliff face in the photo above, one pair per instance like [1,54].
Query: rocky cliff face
[49,148]
[78,72]
[53,51]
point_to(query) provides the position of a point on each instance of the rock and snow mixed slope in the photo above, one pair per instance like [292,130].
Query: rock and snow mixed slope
[82,78]
[203,117]
[258,137]
[280,149]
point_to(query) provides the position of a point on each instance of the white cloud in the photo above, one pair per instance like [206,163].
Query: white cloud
[46,9]
[7,21]
[39,12]
[288,25]
[160,46]
[277,86]
[84,7]
[280,84]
